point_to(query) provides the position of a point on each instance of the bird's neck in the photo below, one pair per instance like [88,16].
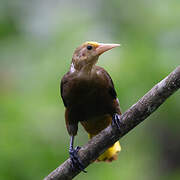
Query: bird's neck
[86,70]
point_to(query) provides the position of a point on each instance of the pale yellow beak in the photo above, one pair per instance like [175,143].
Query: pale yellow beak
[105,47]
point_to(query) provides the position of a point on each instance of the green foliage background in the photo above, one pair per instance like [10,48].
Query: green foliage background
[37,39]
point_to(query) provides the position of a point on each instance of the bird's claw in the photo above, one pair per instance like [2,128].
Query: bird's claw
[116,121]
[76,162]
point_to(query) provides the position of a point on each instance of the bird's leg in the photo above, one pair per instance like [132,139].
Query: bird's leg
[76,162]
[116,121]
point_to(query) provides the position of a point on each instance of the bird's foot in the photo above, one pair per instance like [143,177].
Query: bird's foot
[116,121]
[76,162]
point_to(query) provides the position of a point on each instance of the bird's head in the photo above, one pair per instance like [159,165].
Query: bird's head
[86,55]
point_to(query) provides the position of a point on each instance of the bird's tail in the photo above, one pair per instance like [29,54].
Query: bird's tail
[110,154]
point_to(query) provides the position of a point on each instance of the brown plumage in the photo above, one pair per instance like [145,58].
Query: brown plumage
[89,95]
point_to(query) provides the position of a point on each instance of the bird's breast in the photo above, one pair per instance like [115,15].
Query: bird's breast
[87,97]
[84,90]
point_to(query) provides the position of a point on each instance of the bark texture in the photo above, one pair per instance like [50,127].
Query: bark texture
[131,118]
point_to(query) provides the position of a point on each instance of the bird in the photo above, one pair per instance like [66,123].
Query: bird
[89,97]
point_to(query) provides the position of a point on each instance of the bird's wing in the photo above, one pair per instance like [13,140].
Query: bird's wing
[110,84]
[62,84]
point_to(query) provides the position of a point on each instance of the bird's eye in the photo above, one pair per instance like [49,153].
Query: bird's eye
[89,47]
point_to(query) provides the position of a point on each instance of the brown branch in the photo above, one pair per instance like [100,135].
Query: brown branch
[131,118]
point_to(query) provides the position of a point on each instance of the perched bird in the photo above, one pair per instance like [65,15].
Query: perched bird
[90,98]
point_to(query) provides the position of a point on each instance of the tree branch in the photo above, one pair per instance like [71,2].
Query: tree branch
[131,118]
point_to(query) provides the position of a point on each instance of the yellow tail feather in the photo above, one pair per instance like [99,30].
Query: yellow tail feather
[110,154]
